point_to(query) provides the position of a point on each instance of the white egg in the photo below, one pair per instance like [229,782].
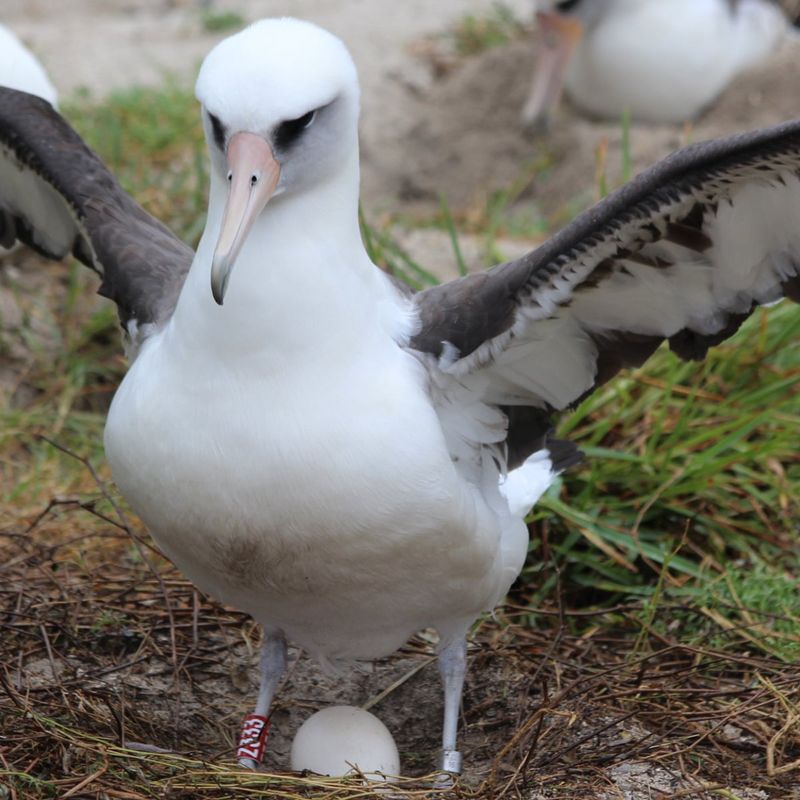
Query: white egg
[337,739]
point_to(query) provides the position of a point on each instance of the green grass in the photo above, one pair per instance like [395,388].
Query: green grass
[384,250]
[72,365]
[152,140]
[476,34]
[222,21]
[693,470]
[754,599]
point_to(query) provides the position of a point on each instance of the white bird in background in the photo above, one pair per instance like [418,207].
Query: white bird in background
[660,60]
[328,450]
[19,69]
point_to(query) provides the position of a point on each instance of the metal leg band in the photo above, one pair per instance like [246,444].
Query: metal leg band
[451,761]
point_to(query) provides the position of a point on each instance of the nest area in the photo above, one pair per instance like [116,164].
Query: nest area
[119,680]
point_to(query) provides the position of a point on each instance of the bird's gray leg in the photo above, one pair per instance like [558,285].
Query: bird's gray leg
[452,668]
[254,730]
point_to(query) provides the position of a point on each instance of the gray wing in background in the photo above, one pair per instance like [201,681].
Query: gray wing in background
[57,197]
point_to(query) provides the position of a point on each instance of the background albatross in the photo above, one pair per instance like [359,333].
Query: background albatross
[311,441]
[660,61]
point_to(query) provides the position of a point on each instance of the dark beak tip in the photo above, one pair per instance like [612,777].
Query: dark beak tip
[218,294]
[219,282]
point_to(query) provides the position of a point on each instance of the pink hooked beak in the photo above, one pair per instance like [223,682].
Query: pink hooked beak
[253,175]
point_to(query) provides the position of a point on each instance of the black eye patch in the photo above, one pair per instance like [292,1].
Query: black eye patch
[567,5]
[289,131]
[218,129]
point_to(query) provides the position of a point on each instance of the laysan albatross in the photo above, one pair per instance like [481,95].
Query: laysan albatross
[347,460]
[660,61]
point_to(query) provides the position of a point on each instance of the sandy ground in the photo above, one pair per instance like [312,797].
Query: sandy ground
[431,124]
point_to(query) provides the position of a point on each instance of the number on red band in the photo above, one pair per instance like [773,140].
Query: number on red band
[253,738]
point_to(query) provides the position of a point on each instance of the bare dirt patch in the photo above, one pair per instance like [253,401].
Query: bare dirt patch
[462,136]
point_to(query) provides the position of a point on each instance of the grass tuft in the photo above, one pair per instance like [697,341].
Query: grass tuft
[693,469]
[152,141]
[222,21]
[473,35]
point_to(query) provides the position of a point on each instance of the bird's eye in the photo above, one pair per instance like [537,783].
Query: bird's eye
[218,130]
[289,131]
[566,6]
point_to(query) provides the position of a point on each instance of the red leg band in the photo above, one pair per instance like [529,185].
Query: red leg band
[253,738]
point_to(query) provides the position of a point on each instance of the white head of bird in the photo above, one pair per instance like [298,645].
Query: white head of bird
[280,110]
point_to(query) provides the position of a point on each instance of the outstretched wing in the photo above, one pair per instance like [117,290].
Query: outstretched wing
[57,197]
[682,253]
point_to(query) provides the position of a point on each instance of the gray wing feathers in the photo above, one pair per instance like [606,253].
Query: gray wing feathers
[682,253]
[57,197]
[667,202]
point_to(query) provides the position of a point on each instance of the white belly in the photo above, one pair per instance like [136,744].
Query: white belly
[666,61]
[314,501]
